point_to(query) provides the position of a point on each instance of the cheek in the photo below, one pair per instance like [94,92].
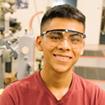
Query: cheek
[48,47]
[77,52]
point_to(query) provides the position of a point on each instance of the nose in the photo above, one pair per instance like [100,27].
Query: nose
[65,45]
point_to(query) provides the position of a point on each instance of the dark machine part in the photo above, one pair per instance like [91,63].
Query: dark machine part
[14,53]
[8,46]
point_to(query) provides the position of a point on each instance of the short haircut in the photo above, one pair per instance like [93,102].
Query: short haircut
[63,11]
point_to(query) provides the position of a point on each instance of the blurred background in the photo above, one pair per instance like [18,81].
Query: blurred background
[19,26]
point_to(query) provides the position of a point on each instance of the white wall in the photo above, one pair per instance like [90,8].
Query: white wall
[25,15]
[92,9]
[104,3]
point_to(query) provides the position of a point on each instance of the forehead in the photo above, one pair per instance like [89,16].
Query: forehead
[63,23]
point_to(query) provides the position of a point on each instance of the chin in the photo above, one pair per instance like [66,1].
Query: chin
[62,69]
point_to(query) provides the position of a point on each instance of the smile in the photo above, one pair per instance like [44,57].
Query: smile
[63,58]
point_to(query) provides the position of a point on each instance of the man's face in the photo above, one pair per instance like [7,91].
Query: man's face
[61,49]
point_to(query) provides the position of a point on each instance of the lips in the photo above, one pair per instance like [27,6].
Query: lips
[64,58]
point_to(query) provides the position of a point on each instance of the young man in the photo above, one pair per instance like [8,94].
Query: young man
[62,41]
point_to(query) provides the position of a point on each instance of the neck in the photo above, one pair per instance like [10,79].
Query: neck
[57,83]
[57,80]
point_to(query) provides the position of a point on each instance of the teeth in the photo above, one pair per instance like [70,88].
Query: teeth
[62,58]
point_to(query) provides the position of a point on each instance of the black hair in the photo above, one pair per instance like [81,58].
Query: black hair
[63,11]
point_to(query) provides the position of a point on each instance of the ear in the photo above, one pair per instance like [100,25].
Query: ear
[38,43]
[82,50]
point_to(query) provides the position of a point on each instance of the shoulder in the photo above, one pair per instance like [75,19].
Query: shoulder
[19,89]
[87,90]
[88,86]
[22,85]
